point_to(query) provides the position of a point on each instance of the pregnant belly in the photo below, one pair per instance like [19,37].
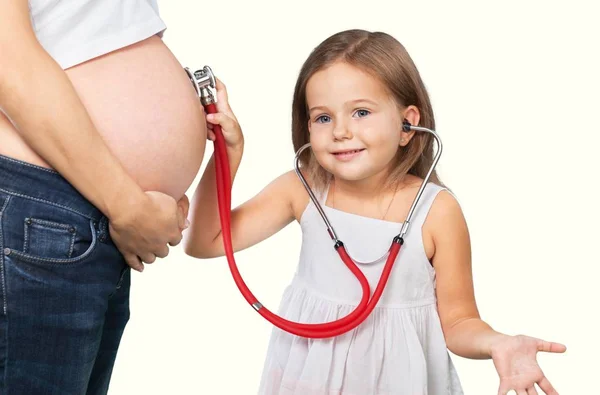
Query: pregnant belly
[147,112]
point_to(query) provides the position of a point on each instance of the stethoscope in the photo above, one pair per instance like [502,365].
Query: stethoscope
[204,83]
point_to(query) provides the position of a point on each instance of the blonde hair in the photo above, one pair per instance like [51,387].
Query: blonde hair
[383,57]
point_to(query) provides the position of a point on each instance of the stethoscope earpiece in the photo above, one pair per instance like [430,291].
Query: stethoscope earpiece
[406,126]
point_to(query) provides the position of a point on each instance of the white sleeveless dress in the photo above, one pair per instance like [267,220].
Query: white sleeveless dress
[398,350]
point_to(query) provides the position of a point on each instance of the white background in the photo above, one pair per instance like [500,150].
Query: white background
[514,86]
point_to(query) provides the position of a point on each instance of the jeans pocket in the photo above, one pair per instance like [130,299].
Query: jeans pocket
[43,233]
[48,238]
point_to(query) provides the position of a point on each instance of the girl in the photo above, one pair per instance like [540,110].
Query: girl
[352,95]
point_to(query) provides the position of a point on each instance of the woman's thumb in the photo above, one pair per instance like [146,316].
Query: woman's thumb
[183,206]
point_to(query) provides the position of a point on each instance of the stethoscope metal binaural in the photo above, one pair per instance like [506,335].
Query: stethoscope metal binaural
[204,82]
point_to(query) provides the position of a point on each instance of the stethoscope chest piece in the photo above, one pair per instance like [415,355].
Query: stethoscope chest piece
[203,81]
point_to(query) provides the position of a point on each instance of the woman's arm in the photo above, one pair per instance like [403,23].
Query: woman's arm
[42,104]
[37,96]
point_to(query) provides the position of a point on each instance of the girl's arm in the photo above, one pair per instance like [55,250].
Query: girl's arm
[466,334]
[253,221]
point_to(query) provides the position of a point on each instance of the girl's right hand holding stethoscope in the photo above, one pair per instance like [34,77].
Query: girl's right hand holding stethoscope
[232,132]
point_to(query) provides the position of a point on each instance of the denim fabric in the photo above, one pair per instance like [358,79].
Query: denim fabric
[64,287]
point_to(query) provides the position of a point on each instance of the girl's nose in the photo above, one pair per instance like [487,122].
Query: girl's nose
[341,131]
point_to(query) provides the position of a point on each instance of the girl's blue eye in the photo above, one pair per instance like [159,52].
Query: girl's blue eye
[362,113]
[323,119]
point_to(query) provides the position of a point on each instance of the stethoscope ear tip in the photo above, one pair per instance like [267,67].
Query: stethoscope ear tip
[406,126]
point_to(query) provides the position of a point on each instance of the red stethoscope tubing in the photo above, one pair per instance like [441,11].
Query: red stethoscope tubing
[317,331]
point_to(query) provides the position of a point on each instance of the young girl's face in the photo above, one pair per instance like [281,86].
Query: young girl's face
[355,125]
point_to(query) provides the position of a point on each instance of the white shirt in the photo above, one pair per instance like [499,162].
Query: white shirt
[74,31]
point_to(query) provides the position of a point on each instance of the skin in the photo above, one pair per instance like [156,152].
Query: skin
[349,109]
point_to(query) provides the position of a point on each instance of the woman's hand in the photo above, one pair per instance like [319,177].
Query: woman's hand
[143,229]
[225,117]
[515,360]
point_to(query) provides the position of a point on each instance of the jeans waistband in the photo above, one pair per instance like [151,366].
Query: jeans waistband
[39,183]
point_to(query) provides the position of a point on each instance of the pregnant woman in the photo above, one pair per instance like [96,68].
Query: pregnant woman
[101,134]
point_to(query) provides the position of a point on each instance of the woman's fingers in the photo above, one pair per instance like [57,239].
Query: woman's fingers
[148,258]
[134,262]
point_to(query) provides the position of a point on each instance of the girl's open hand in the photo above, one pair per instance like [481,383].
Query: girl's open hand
[515,360]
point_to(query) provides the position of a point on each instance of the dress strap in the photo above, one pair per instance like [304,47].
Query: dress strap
[424,205]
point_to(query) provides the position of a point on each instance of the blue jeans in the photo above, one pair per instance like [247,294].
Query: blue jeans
[64,287]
